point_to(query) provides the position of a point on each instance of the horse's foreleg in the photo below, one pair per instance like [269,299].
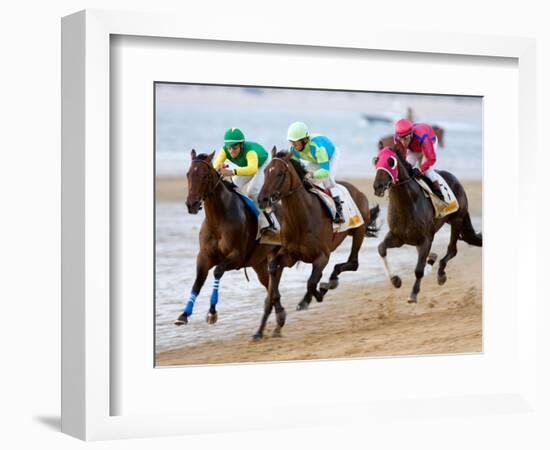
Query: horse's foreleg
[451,252]
[316,273]
[275,270]
[423,252]
[352,264]
[263,276]
[390,241]
[203,266]
[212,315]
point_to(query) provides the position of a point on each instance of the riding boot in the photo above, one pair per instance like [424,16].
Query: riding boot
[271,226]
[436,188]
[339,217]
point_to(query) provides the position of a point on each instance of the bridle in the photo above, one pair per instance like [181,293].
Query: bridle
[398,183]
[292,191]
[210,170]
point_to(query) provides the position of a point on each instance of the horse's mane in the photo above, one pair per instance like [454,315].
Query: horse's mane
[228,183]
[298,166]
[397,152]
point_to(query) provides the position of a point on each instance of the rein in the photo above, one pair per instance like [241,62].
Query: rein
[287,170]
[206,194]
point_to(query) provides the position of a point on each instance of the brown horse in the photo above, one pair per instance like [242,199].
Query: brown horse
[227,235]
[306,229]
[388,141]
[411,216]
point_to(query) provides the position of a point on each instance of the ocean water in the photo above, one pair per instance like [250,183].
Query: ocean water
[191,117]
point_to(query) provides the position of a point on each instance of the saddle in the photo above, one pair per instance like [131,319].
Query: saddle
[352,215]
[441,208]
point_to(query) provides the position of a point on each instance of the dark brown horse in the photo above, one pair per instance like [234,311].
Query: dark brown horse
[306,229]
[411,216]
[227,235]
[387,141]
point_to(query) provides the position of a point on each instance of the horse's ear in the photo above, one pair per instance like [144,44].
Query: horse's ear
[193,154]
[210,157]
[274,151]
[375,161]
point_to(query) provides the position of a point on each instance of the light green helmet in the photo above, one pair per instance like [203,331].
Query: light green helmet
[297,131]
[233,136]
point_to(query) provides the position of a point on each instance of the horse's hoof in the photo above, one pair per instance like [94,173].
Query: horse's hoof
[441,279]
[211,318]
[277,333]
[396,281]
[257,337]
[432,258]
[412,299]
[181,320]
[281,318]
[332,284]
[302,306]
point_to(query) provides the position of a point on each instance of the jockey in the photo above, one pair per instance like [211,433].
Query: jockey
[321,156]
[250,159]
[419,141]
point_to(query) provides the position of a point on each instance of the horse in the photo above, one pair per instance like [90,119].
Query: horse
[227,235]
[388,140]
[306,229]
[411,217]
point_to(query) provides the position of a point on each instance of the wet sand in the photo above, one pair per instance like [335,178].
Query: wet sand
[359,321]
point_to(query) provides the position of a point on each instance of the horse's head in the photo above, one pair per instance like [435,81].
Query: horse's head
[439,132]
[388,172]
[201,180]
[278,178]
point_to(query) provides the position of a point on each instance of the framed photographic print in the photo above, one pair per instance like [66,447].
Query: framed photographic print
[162,136]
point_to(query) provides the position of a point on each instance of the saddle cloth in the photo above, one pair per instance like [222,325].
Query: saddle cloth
[352,215]
[442,209]
[268,237]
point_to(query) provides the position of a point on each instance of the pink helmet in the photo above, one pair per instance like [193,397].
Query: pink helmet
[403,127]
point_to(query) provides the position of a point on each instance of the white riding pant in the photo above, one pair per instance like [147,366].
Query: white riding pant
[252,184]
[330,181]
[415,160]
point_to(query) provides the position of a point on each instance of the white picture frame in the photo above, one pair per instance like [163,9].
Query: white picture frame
[87,386]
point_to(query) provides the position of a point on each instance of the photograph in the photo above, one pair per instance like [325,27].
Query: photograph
[300,224]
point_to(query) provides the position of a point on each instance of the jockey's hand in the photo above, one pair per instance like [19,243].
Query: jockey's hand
[308,176]
[416,173]
[226,172]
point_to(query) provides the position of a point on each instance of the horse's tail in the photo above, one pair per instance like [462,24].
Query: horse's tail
[468,234]
[372,229]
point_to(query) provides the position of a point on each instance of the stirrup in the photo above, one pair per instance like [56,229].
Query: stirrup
[339,217]
[439,195]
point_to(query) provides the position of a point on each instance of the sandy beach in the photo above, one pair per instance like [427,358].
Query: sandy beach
[173,188]
[370,318]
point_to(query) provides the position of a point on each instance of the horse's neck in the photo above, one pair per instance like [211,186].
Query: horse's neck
[296,210]
[404,196]
[219,204]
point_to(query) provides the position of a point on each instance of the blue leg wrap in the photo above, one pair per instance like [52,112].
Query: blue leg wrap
[189,307]
[214,295]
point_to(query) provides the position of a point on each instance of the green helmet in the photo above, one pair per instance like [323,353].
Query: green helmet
[233,136]
[297,131]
